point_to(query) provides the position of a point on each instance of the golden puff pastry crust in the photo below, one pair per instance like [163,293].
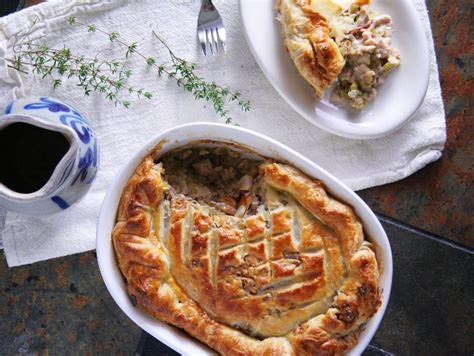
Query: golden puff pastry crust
[306,36]
[294,277]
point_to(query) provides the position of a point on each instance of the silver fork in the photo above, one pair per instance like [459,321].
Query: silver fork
[210,29]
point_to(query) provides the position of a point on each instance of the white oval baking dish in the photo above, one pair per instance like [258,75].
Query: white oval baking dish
[265,146]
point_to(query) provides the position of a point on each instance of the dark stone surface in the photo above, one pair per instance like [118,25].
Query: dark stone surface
[61,306]
[431,308]
[372,350]
[7,7]
[439,198]
[149,346]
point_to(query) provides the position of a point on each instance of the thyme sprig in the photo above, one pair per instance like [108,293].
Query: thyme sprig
[93,74]
[109,76]
[183,73]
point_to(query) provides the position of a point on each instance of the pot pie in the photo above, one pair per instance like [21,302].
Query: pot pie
[246,254]
[329,43]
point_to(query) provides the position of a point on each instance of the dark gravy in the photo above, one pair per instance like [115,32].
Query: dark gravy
[29,155]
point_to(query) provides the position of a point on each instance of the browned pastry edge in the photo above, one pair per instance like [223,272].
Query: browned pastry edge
[306,35]
[358,299]
[144,263]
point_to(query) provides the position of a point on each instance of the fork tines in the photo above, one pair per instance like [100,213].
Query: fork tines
[211,31]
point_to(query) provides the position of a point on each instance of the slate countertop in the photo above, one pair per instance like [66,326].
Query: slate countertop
[62,305]
[439,198]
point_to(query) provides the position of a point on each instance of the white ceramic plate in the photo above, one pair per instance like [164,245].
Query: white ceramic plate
[265,146]
[398,98]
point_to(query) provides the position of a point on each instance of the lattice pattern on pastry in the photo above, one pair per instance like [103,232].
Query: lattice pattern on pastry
[278,255]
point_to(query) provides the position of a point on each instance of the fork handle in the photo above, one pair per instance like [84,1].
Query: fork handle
[207,4]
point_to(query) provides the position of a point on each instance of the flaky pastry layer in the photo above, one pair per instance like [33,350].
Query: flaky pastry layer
[306,36]
[296,279]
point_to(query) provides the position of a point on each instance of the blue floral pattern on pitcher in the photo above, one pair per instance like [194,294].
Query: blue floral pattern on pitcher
[8,109]
[49,104]
[79,125]
[88,159]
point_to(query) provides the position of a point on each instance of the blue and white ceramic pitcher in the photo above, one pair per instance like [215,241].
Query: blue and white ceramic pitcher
[75,172]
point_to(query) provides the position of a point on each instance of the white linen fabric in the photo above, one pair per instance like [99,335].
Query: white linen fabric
[360,164]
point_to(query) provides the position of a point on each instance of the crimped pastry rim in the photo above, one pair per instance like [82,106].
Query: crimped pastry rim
[256,142]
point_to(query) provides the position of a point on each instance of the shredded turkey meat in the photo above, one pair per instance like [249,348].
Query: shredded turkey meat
[364,39]
[224,178]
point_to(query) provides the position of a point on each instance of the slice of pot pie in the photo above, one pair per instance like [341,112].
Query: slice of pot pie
[329,43]
[248,255]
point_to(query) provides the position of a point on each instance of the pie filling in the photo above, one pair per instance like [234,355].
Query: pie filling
[364,38]
[224,179]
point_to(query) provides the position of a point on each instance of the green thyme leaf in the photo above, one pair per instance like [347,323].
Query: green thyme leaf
[113,36]
[150,61]
[131,49]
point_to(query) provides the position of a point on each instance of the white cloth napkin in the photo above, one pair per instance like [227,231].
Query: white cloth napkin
[360,164]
